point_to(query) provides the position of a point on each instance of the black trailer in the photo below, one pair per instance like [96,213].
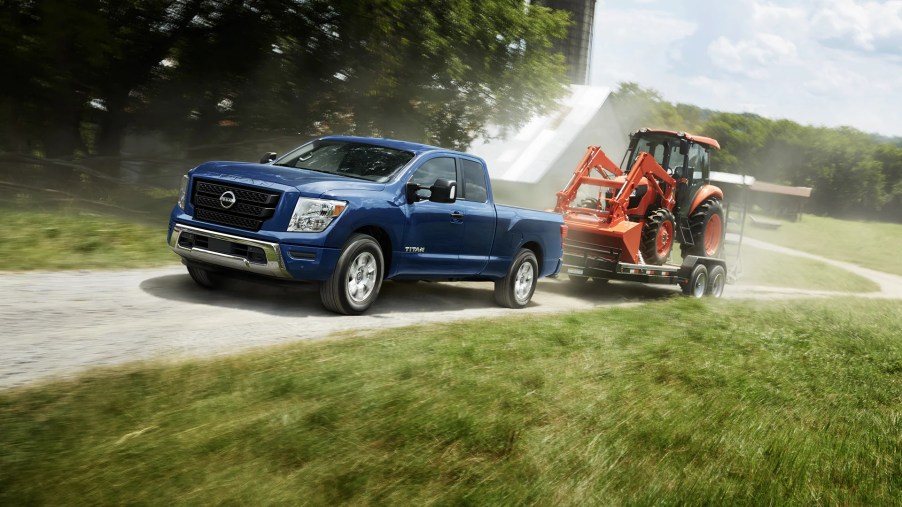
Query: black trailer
[697,276]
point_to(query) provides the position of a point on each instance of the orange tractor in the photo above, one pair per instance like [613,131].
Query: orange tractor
[623,220]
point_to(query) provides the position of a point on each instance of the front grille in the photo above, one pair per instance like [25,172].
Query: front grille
[253,254]
[251,208]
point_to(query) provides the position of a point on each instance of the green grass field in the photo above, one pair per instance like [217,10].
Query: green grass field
[869,244]
[53,241]
[675,402]
[760,267]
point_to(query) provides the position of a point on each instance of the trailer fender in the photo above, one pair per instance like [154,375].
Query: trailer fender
[707,191]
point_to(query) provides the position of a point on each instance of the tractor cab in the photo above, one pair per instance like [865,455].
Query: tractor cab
[683,156]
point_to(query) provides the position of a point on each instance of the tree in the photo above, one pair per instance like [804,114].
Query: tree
[429,70]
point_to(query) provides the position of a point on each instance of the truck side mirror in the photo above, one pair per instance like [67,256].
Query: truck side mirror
[444,191]
[268,157]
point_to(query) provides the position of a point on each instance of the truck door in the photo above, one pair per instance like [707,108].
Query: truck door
[434,233]
[479,216]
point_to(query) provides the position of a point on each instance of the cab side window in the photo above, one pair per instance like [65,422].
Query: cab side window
[474,186]
[431,170]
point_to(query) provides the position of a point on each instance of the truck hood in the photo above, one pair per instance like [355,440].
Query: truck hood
[309,183]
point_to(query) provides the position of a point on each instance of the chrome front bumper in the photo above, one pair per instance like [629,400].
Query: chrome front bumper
[273,267]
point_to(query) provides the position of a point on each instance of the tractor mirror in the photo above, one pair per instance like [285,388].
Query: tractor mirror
[684,147]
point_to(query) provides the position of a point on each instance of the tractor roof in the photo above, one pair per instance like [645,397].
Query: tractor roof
[696,139]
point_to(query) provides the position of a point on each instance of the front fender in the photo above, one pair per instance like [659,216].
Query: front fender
[706,192]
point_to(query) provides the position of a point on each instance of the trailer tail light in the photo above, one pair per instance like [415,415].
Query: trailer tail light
[564,229]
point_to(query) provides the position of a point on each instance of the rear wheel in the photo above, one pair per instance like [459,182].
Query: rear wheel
[707,226]
[717,277]
[355,283]
[205,278]
[657,237]
[697,283]
[516,289]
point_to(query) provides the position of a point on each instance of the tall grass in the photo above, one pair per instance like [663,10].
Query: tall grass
[677,402]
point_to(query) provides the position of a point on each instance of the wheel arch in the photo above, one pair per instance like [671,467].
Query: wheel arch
[536,249]
[704,193]
[382,237]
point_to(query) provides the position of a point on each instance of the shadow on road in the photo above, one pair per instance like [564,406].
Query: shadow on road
[302,299]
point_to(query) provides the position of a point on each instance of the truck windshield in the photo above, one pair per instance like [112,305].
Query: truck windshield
[355,160]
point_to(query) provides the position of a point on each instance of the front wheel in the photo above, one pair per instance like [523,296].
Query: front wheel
[354,285]
[657,237]
[205,278]
[516,289]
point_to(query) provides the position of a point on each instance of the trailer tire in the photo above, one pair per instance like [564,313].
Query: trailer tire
[717,277]
[354,284]
[707,226]
[516,289]
[697,284]
[657,237]
[205,278]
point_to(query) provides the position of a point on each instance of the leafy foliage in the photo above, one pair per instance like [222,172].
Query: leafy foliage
[433,71]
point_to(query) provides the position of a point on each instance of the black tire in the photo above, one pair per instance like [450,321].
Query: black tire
[354,285]
[708,227]
[657,237]
[205,278]
[717,277]
[697,284]
[516,289]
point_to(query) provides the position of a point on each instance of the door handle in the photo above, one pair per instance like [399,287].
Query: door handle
[457,216]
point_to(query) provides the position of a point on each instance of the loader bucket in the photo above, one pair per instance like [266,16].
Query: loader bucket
[624,235]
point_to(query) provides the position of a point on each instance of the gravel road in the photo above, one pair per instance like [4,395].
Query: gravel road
[61,323]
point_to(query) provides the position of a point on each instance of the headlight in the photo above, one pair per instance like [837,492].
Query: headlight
[314,215]
[183,192]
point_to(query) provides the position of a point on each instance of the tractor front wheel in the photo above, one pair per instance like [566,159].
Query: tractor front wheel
[657,237]
[707,226]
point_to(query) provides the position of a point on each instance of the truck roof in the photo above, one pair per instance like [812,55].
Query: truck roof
[417,148]
[710,141]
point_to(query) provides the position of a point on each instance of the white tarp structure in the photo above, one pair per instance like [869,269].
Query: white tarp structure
[528,154]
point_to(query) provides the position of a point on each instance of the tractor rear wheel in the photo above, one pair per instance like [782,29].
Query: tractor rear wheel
[657,237]
[707,226]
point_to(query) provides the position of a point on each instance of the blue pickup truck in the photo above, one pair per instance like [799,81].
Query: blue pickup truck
[349,212]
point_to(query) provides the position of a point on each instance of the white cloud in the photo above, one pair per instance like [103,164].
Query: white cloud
[821,62]
[868,26]
[752,57]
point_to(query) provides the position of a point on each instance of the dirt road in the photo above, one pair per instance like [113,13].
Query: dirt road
[55,324]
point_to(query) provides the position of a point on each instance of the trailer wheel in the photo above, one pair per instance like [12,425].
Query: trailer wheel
[697,283]
[355,283]
[717,277]
[205,278]
[707,226]
[516,289]
[657,237]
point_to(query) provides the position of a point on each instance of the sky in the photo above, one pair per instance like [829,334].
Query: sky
[817,62]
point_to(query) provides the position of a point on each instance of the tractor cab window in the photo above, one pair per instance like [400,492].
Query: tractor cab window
[698,163]
[665,150]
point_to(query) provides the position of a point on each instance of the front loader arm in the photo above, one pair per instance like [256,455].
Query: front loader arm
[594,158]
[647,168]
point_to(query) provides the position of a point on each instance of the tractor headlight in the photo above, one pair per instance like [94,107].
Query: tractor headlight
[314,215]
[183,192]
